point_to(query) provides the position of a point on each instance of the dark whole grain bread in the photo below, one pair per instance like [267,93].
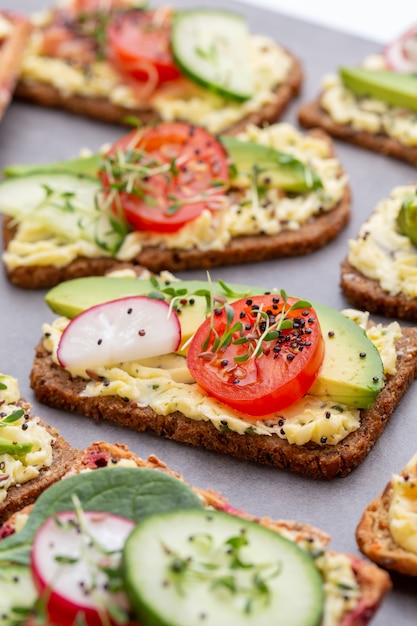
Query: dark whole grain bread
[47,95]
[376,542]
[55,387]
[22,495]
[367,294]
[312,235]
[312,115]
[11,51]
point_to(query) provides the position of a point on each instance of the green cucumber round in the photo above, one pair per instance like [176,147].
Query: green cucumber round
[211,48]
[192,567]
[64,205]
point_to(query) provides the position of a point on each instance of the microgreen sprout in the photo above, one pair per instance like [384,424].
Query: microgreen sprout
[223,568]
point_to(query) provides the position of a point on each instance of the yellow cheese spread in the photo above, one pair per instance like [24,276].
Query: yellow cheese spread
[368,114]
[381,252]
[165,384]
[39,244]
[403,507]
[17,468]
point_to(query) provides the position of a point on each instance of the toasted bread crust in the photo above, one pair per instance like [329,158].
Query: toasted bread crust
[102,109]
[367,294]
[11,52]
[312,115]
[311,236]
[55,387]
[375,540]
[22,495]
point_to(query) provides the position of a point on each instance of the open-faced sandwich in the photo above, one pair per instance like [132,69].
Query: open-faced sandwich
[387,531]
[379,272]
[133,543]
[14,31]
[257,375]
[114,60]
[173,197]
[32,454]
[375,105]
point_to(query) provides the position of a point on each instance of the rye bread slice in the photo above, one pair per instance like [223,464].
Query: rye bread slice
[366,293]
[53,386]
[25,494]
[376,542]
[312,115]
[11,52]
[312,235]
[46,95]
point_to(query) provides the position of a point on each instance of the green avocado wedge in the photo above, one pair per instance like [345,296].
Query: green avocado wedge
[407,218]
[394,88]
[351,373]
[81,166]
[271,167]
[213,568]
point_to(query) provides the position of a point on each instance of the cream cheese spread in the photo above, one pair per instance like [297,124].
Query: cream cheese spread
[16,469]
[368,114]
[165,384]
[403,507]
[381,252]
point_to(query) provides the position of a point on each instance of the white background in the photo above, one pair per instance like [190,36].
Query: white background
[372,19]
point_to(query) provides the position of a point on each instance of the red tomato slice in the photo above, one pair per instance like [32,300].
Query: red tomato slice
[140,44]
[286,365]
[172,172]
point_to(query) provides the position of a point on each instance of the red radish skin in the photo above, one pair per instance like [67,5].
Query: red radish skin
[401,54]
[64,585]
[126,329]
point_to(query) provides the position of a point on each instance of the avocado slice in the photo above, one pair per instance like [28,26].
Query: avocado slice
[352,372]
[82,166]
[355,378]
[397,89]
[271,167]
[407,218]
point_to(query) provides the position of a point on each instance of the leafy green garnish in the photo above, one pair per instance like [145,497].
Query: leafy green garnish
[145,491]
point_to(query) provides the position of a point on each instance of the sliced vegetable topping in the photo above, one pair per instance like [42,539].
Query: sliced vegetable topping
[130,328]
[407,218]
[258,354]
[211,47]
[401,54]
[75,563]
[165,176]
[208,567]
[140,45]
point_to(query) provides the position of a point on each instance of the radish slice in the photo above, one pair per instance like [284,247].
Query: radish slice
[126,329]
[401,55]
[69,557]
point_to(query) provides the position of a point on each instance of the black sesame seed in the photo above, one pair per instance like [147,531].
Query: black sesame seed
[323,439]
[129,311]
[330,333]
[362,355]
[99,342]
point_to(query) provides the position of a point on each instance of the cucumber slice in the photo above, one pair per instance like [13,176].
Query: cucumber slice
[211,48]
[62,205]
[18,594]
[211,568]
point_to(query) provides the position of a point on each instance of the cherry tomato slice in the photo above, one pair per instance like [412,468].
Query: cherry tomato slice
[140,44]
[166,175]
[287,360]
